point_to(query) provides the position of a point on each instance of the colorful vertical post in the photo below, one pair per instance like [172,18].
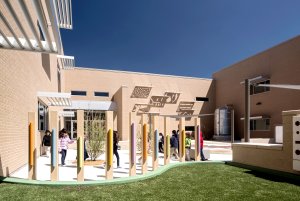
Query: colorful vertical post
[166,140]
[109,150]
[144,147]
[53,148]
[80,145]
[154,142]
[181,140]
[132,145]
[53,124]
[32,148]
[197,138]
[109,145]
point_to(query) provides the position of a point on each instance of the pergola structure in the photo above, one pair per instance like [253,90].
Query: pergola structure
[44,36]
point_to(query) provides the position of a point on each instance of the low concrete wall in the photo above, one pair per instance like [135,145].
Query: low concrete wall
[271,156]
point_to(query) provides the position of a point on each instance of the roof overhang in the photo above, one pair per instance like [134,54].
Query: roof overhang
[93,105]
[66,113]
[55,98]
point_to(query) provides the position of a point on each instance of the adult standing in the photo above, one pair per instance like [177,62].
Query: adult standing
[174,144]
[116,141]
[46,143]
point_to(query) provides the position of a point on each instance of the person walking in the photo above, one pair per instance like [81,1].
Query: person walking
[201,147]
[174,144]
[161,143]
[46,143]
[64,140]
[188,144]
[115,146]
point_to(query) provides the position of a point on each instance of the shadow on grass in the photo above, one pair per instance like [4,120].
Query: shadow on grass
[268,174]
[274,177]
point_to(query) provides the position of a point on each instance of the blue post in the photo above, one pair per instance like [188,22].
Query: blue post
[53,148]
[156,144]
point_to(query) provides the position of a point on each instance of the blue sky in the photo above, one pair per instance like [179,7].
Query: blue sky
[176,37]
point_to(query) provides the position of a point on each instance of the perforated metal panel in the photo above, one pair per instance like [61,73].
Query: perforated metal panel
[296,143]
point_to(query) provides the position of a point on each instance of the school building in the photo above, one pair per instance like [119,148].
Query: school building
[37,77]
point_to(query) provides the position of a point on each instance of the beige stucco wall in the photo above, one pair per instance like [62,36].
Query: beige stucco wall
[276,156]
[22,75]
[282,64]
[91,80]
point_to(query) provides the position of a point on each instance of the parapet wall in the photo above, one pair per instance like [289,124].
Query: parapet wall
[271,156]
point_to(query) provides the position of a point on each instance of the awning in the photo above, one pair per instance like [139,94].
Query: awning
[66,113]
[258,117]
[93,105]
[55,98]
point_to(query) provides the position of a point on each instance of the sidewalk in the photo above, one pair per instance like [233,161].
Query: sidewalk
[97,172]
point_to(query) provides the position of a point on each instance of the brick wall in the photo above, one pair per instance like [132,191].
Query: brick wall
[22,75]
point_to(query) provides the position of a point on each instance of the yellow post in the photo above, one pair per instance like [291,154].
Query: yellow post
[31,145]
[166,140]
[79,151]
[144,148]
[109,145]
[80,145]
[109,148]
[181,141]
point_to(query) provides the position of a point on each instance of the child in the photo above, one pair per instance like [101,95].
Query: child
[64,140]
[188,144]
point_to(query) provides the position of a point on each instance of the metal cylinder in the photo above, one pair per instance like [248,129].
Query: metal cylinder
[133,144]
[144,142]
[53,148]
[31,145]
[80,152]
[109,148]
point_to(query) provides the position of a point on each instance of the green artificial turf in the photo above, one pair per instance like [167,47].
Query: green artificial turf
[193,182]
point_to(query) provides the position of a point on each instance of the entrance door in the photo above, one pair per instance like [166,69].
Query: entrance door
[73,129]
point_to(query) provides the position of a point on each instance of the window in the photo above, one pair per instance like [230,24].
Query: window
[78,93]
[259,124]
[42,117]
[104,94]
[204,99]
[254,89]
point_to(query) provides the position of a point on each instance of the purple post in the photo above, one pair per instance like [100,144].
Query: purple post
[198,139]
[133,144]
[156,144]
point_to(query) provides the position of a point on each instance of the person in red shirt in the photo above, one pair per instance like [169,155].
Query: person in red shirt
[201,148]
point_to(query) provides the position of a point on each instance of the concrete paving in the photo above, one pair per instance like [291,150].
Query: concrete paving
[215,151]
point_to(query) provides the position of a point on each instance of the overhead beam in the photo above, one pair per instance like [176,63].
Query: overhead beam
[14,15]
[31,24]
[40,15]
[11,30]
[282,86]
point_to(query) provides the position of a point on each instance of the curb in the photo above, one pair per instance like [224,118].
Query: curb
[123,180]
